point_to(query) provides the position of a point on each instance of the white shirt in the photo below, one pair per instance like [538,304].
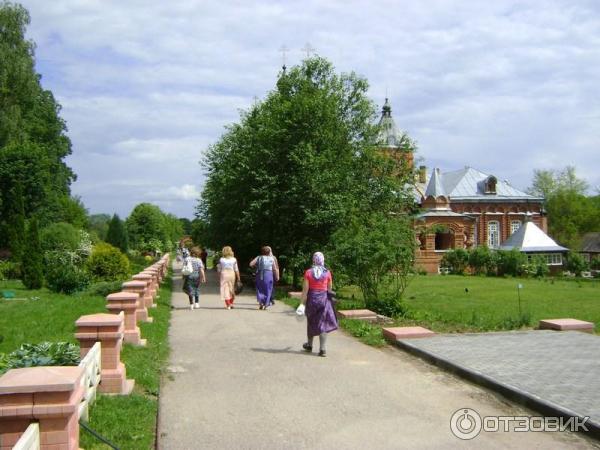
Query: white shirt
[228,263]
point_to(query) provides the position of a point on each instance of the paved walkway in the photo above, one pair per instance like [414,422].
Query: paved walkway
[559,372]
[238,380]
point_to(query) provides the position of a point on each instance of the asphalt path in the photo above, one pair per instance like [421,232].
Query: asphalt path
[238,379]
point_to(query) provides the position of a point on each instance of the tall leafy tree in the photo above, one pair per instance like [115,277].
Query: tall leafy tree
[570,212]
[33,258]
[117,234]
[33,141]
[298,165]
[145,223]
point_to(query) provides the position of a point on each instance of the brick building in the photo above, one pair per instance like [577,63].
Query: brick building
[461,208]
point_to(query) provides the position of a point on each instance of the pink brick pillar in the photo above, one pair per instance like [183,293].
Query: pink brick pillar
[150,291]
[109,330]
[126,302]
[155,279]
[139,287]
[48,395]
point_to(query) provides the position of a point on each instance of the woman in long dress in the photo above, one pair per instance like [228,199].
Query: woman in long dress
[267,273]
[228,275]
[319,311]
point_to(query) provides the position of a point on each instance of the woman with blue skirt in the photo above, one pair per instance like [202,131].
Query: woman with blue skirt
[267,273]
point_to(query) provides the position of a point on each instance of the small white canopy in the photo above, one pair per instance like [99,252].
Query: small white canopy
[530,238]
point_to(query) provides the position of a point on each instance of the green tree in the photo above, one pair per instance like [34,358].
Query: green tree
[33,258]
[117,234]
[148,223]
[570,212]
[98,224]
[376,253]
[298,166]
[186,225]
[33,141]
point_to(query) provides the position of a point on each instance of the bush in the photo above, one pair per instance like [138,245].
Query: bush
[60,237]
[64,272]
[511,262]
[576,263]
[44,354]
[595,263]
[537,267]
[10,270]
[481,260]
[456,260]
[388,305]
[103,288]
[107,263]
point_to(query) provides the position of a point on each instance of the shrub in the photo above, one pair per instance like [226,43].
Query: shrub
[10,270]
[481,260]
[33,259]
[456,260]
[537,267]
[107,263]
[60,237]
[388,305]
[43,354]
[595,263]
[511,262]
[64,272]
[103,288]
[576,263]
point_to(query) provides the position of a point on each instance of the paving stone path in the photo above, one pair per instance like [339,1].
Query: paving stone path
[558,371]
[238,380]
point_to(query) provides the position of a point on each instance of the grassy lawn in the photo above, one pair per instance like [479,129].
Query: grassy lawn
[468,303]
[130,421]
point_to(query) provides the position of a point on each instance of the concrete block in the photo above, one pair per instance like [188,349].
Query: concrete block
[393,334]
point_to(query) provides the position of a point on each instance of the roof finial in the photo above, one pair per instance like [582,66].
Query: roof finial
[283,51]
[386,111]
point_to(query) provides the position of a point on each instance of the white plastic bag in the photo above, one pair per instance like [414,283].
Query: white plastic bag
[300,311]
[187,268]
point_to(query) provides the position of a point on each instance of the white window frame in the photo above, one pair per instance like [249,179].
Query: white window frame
[493,236]
[515,225]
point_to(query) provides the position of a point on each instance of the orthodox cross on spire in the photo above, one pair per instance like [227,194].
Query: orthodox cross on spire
[283,51]
[308,49]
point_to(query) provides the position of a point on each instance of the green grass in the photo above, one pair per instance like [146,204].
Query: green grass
[128,421]
[442,303]
[43,316]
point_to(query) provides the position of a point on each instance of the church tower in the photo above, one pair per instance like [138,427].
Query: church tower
[391,140]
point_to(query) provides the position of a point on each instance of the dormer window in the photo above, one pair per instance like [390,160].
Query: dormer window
[490,185]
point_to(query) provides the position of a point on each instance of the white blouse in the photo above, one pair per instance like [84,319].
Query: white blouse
[228,263]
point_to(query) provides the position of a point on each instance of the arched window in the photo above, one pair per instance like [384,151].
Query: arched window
[493,229]
[514,225]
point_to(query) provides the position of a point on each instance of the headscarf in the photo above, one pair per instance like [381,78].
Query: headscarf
[318,267]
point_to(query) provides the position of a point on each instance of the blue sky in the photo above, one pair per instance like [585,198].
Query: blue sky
[146,86]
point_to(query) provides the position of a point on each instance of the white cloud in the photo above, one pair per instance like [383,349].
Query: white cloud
[146,86]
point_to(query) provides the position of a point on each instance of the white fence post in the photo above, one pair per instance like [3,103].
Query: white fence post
[92,365]
[30,439]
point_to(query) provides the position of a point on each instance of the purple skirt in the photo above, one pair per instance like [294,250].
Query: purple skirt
[264,287]
[320,314]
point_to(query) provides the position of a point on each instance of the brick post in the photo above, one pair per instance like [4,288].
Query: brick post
[48,395]
[108,329]
[155,272]
[126,302]
[139,287]
[150,291]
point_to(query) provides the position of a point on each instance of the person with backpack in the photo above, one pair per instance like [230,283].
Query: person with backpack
[267,273]
[193,270]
